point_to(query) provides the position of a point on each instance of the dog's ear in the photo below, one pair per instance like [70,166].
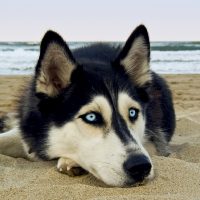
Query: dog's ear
[135,56]
[55,65]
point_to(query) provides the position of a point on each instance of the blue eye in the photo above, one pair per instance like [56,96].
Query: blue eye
[93,118]
[133,114]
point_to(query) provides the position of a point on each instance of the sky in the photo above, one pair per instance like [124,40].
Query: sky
[99,20]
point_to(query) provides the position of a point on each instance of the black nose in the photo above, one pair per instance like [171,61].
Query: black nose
[138,167]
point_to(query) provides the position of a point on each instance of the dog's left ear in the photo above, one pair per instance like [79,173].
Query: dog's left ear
[135,56]
[55,65]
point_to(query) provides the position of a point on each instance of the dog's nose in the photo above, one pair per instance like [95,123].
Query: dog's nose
[138,167]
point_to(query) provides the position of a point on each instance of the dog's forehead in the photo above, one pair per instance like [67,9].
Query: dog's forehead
[112,103]
[120,91]
[112,87]
[125,100]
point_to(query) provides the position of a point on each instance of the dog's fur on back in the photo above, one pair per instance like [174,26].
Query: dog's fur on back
[94,108]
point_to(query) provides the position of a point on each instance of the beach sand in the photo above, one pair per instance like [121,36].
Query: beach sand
[177,176]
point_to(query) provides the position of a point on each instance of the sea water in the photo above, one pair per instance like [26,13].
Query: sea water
[166,57]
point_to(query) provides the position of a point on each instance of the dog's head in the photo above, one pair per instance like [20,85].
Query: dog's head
[97,115]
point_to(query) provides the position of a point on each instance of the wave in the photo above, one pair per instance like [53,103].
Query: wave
[7,49]
[19,43]
[166,57]
[175,46]
[155,46]
[36,49]
[20,69]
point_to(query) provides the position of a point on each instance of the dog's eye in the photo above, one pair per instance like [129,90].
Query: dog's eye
[133,114]
[92,118]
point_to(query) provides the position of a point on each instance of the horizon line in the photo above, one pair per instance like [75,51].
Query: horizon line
[95,41]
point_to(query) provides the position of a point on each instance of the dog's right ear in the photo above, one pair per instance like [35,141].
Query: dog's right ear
[55,65]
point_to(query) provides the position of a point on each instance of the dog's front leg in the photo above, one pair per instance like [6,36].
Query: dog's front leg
[69,167]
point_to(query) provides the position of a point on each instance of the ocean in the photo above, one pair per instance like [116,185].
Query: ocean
[18,58]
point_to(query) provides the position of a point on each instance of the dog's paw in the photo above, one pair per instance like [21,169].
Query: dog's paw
[164,151]
[69,167]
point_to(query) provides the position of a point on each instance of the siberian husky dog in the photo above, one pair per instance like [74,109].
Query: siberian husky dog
[93,108]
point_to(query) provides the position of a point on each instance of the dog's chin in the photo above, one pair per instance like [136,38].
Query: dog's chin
[110,179]
[123,181]
[129,183]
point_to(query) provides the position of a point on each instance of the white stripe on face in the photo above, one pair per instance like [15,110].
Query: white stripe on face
[136,128]
[125,103]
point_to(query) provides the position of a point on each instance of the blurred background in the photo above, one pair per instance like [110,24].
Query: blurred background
[173,28]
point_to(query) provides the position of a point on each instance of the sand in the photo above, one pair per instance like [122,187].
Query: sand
[177,176]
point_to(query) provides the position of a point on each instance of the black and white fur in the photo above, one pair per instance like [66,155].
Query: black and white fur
[94,108]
